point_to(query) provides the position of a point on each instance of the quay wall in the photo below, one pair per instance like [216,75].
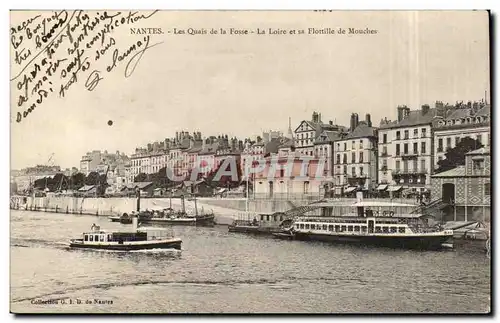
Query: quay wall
[225,209]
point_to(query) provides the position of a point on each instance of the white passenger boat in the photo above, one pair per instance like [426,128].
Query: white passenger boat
[139,239]
[372,223]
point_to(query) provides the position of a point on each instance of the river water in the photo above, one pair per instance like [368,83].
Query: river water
[221,272]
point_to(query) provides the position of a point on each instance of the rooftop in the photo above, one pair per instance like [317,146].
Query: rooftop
[455,172]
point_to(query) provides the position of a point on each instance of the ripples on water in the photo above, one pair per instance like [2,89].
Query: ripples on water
[221,272]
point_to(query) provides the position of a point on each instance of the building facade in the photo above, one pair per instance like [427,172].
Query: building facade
[466,189]
[405,149]
[467,120]
[355,161]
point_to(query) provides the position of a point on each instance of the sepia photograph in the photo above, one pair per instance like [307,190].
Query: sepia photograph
[250,162]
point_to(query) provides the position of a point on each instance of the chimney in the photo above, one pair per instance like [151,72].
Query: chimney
[400,113]
[356,120]
[319,117]
[352,125]
[368,119]
[440,108]
[425,109]
[315,117]
[330,122]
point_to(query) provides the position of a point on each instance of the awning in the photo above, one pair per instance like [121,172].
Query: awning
[382,187]
[394,188]
[350,189]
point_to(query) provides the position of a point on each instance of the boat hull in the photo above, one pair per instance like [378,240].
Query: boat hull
[252,229]
[180,221]
[434,242]
[169,244]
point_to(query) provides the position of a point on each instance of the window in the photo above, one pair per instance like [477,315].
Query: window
[101,237]
[360,156]
[363,229]
[398,135]
[384,138]
[487,189]
[394,230]
[398,152]
[405,149]
[345,146]
[415,165]
[361,170]
[306,187]
[478,165]
[424,132]
[385,230]
[457,141]
[262,218]
[440,144]
[96,238]
[361,144]
[313,226]
[378,230]
[448,143]
[415,133]
[402,230]
[405,166]
[345,158]
[110,237]
[422,148]
[398,165]
[337,228]
[330,228]
[353,171]
[415,148]
[353,158]
[479,138]
[86,238]
[307,226]
[407,134]
[267,217]
[353,143]
[338,158]
[324,227]
[356,228]
[384,151]
[349,228]
[343,228]
[422,166]
[91,238]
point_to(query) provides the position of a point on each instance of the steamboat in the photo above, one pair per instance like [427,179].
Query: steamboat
[370,223]
[138,239]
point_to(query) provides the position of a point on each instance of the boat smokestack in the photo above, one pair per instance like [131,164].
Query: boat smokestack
[138,196]
[134,223]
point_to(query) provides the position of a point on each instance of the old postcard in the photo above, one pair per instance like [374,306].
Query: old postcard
[250,161]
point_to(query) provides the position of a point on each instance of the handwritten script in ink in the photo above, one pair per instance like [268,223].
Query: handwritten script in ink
[54,51]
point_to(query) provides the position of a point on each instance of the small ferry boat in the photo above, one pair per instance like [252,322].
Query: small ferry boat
[266,225]
[170,216]
[139,239]
[372,223]
[125,218]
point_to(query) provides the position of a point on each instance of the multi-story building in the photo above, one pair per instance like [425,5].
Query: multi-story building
[465,120]
[306,133]
[405,149]
[90,161]
[355,162]
[466,189]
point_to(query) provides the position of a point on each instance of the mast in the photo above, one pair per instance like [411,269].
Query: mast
[247,178]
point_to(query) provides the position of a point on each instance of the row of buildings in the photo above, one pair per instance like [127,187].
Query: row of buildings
[393,156]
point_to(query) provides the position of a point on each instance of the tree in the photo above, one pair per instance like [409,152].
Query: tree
[455,156]
[77,180]
[141,177]
[92,178]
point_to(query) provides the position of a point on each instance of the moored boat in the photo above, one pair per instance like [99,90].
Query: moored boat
[138,239]
[372,223]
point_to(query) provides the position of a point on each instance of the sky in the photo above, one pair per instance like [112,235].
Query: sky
[242,85]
